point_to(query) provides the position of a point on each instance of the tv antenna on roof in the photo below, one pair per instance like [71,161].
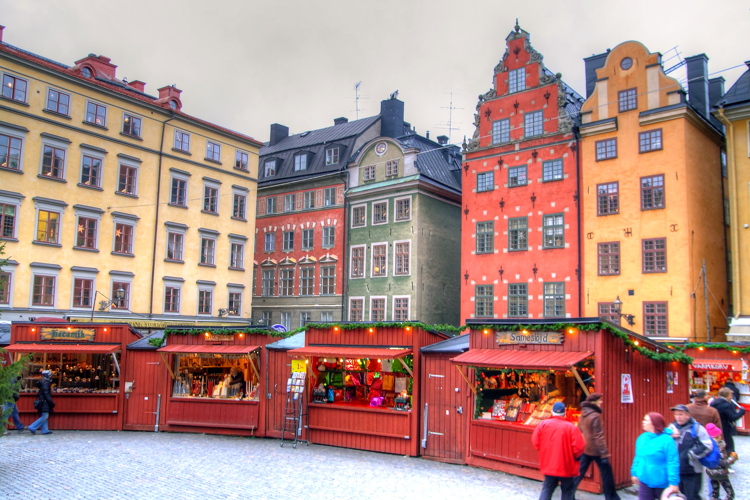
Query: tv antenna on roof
[356,99]
[450,109]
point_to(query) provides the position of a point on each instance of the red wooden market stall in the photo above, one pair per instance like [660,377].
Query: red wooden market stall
[86,361]
[278,370]
[516,371]
[363,392]
[146,387]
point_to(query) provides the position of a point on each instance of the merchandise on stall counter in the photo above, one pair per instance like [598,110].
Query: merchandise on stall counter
[73,373]
[199,376]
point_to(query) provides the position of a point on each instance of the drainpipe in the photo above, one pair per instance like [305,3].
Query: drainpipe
[345,257]
[733,215]
[580,221]
[156,218]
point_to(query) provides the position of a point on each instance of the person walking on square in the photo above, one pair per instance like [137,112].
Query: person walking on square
[656,465]
[720,475]
[686,433]
[13,410]
[729,411]
[596,449]
[560,444]
[702,412]
[43,403]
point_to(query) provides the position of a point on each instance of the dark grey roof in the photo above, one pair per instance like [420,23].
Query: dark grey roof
[143,345]
[573,100]
[455,344]
[435,161]
[294,342]
[739,93]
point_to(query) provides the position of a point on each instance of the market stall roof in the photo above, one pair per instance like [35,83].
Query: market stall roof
[455,344]
[209,349]
[512,358]
[143,344]
[294,342]
[721,365]
[351,351]
[63,347]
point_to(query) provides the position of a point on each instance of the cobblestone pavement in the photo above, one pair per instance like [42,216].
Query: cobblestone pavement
[141,465]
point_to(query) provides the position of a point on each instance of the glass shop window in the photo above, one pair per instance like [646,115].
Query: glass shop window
[73,372]
[212,376]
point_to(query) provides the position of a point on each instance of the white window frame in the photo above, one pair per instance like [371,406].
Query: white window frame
[44,270]
[48,205]
[332,155]
[86,113]
[308,200]
[19,133]
[205,287]
[92,153]
[13,199]
[393,306]
[182,135]
[140,128]
[129,164]
[377,203]
[59,144]
[84,274]
[349,307]
[300,162]
[269,168]
[395,208]
[215,148]
[289,202]
[172,283]
[328,200]
[328,229]
[385,306]
[364,262]
[364,220]
[239,156]
[286,319]
[395,243]
[372,259]
[60,92]
[10,268]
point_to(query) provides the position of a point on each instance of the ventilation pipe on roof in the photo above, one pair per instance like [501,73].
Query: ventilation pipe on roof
[278,134]
[442,140]
[340,121]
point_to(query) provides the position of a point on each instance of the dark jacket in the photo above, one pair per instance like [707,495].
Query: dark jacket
[728,413]
[704,414]
[45,395]
[592,429]
[735,390]
[686,442]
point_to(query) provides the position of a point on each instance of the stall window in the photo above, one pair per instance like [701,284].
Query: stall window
[74,372]
[226,376]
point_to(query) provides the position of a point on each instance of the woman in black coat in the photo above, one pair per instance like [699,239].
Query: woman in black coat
[728,412]
[43,403]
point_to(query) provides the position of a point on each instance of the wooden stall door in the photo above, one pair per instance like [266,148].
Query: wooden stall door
[147,373]
[443,407]
[279,368]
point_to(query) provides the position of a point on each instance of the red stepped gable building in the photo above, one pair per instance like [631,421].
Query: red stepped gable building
[520,234]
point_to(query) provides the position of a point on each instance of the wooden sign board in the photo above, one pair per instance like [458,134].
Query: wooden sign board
[529,338]
[84,334]
[219,338]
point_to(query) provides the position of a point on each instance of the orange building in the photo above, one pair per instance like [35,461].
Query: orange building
[651,186]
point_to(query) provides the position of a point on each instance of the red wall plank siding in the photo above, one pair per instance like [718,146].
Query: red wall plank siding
[149,376]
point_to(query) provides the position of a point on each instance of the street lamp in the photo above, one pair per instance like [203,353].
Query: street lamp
[617,309]
[226,312]
[119,295]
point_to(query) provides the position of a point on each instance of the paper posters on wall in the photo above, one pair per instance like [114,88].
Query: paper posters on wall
[670,382]
[676,378]
[626,388]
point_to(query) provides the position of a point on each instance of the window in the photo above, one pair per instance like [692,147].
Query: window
[286,320]
[483,301]
[44,290]
[7,220]
[304,318]
[356,309]
[627,100]
[267,282]
[485,181]
[652,192]
[533,123]
[649,141]
[655,255]
[210,199]
[171,299]
[86,233]
[237,256]
[288,241]
[96,114]
[552,170]
[83,290]
[379,259]
[239,206]
[517,176]
[53,162]
[609,258]
[270,242]
[124,302]
[48,226]
[380,212]
[182,141]
[606,149]
[300,162]
[607,312]
[608,198]
[369,174]
[269,168]
[14,88]
[307,280]
[655,319]
[213,151]
[91,171]
[131,125]
[127,180]
[391,168]
[553,229]
[58,102]
[265,317]
[332,156]
[175,245]
[358,262]
[403,209]
[358,216]
[289,203]
[235,304]
[554,300]
[377,309]
[179,192]
[10,152]
[327,280]
[485,237]
[208,251]
[329,197]
[124,238]
[307,239]
[518,233]
[241,160]
[271,205]
[329,237]
[309,199]
[403,252]
[400,308]
[286,282]
[518,300]
[326,317]
[516,80]
[205,301]
[501,131]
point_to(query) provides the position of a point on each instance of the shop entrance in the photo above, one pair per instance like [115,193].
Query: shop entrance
[442,427]
[142,391]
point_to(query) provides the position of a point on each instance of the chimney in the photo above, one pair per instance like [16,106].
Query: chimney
[1,33]
[278,134]
[442,140]
[427,134]
[592,64]
[169,91]
[697,73]
[138,85]
[340,121]
[715,94]
[391,118]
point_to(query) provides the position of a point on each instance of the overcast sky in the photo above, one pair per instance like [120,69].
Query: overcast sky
[245,64]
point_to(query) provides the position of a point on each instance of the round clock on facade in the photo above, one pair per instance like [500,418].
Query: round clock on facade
[381,148]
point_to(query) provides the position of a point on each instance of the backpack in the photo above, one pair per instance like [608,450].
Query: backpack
[710,461]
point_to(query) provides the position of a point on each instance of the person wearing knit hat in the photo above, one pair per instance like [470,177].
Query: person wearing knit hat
[719,476]
[559,443]
[596,450]
[656,466]
[43,403]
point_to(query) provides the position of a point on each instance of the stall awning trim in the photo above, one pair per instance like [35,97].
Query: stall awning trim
[350,352]
[209,349]
[89,348]
[532,360]
[717,365]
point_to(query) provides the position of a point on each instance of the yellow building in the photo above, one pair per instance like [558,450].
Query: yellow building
[115,203]
[652,204]
[733,110]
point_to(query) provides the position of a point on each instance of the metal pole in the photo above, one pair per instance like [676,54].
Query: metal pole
[705,297]
[158,412]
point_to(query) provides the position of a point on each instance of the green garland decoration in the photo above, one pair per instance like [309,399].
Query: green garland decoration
[718,345]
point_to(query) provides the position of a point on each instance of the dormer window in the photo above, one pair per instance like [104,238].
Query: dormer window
[332,156]
[173,105]
[300,162]
[516,80]
[269,168]
[86,72]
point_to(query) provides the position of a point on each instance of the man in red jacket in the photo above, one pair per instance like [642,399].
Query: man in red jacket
[560,444]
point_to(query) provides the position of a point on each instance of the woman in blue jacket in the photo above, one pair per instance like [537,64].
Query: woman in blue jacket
[656,466]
